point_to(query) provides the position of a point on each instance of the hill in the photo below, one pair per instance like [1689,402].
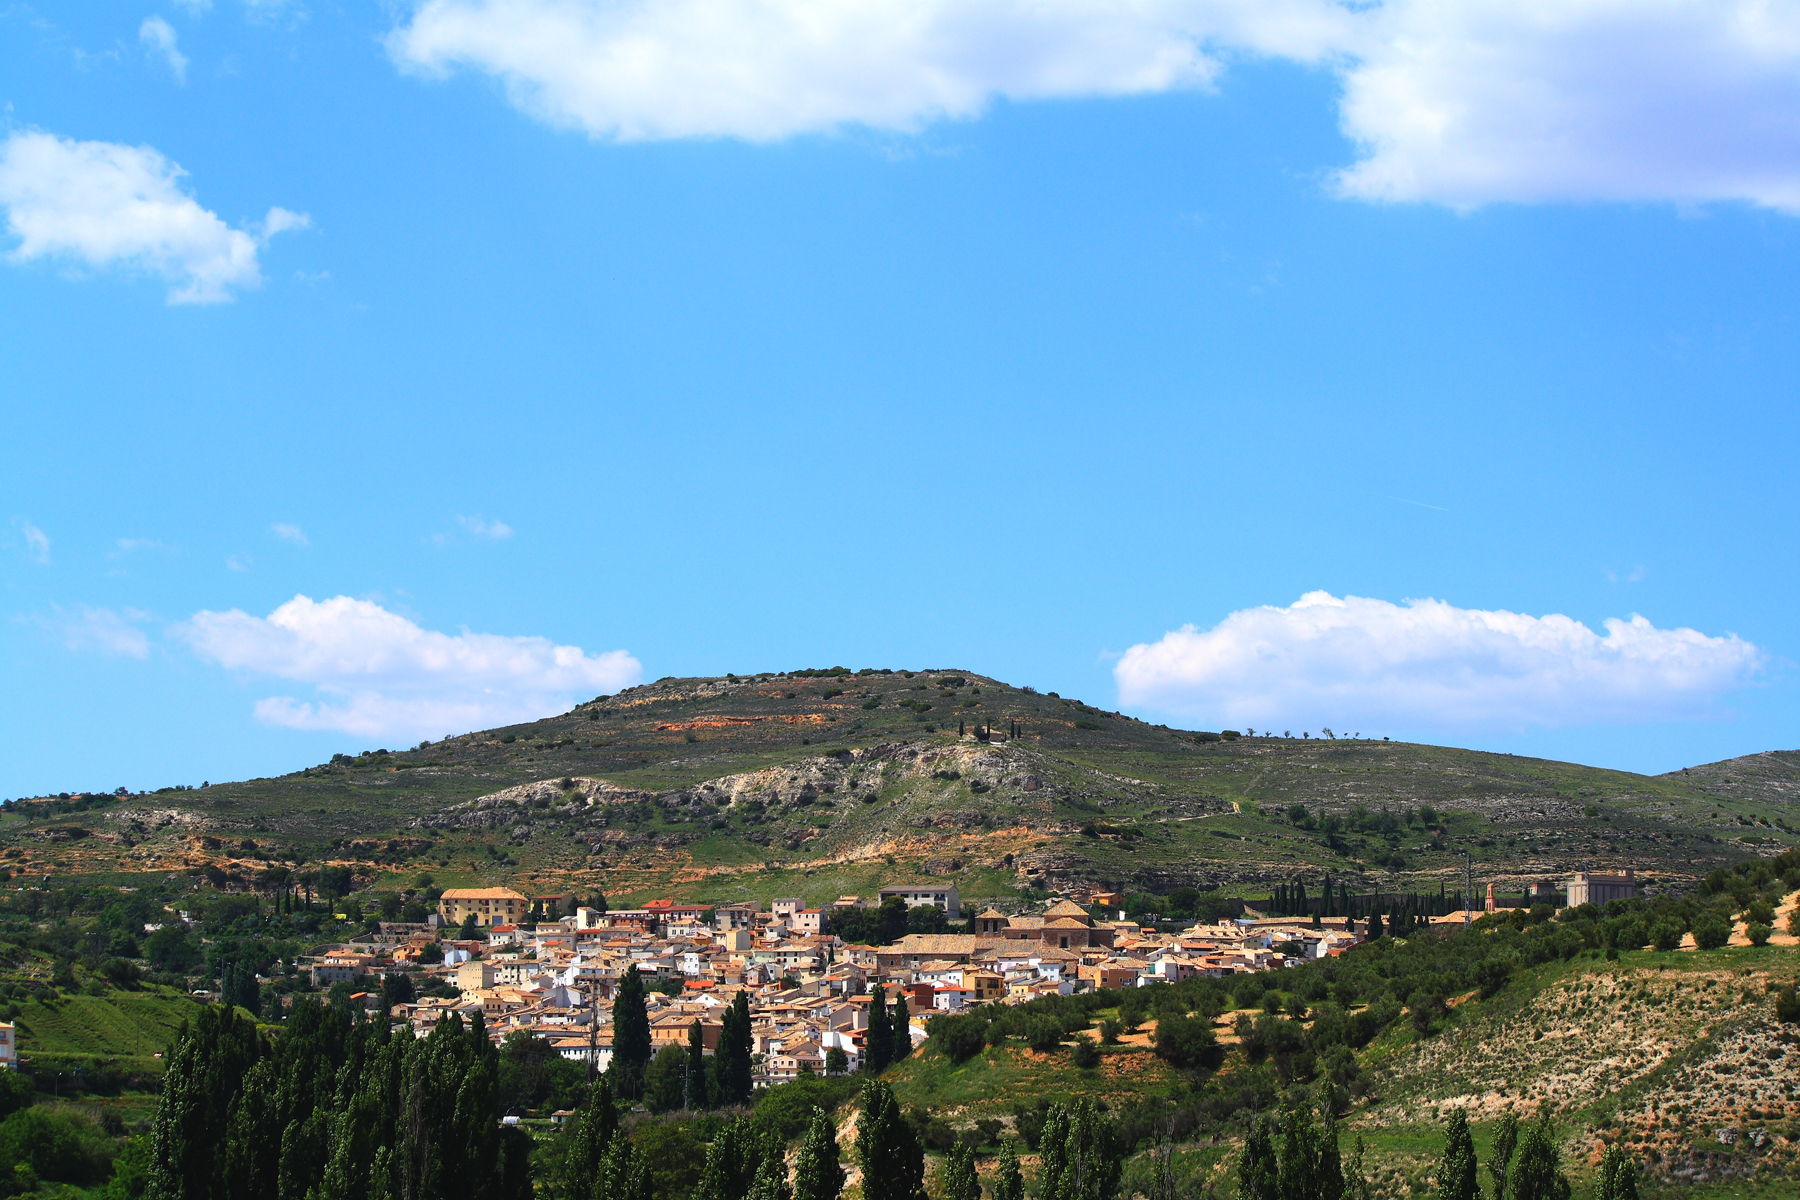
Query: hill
[821,782]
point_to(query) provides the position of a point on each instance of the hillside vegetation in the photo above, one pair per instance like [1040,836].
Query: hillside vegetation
[822,782]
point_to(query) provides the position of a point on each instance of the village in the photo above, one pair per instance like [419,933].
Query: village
[809,991]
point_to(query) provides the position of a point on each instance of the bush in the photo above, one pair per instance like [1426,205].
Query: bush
[1085,1054]
[1758,933]
[1188,1043]
[1711,932]
[54,1145]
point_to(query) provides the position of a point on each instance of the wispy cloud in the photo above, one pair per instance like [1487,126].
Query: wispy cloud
[1425,664]
[481,527]
[376,673]
[37,542]
[290,533]
[101,630]
[105,206]
[158,38]
[237,562]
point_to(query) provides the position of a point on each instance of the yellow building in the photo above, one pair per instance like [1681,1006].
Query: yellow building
[489,906]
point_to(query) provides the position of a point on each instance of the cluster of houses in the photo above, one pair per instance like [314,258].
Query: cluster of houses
[810,992]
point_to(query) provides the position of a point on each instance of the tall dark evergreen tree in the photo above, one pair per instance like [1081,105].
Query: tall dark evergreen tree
[694,1079]
[878,1039]
[732,1082]
[631,1036]
[900,1019]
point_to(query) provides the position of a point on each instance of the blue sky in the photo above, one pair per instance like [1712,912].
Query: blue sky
[357,358]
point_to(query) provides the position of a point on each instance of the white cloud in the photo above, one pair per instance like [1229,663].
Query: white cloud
[100,629]
[378,674]
[767,69]
[1425,664]
[1532,100]
[135,545]
[1461,104]
[104,205]
[158,37]
[194,8]
[37,542]
[481,527]
[237,562]
[290,533]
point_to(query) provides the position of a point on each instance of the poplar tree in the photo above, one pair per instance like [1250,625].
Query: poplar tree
[771,1182]
[1008,1182]
[1618,1176]
[892,1162]
[206,1066]
[817,1173]
[1258,1169]
[1506,1138]
[1537,1175]
[1080,1154]
[731,1162]
[960,1181]
[1457,1173]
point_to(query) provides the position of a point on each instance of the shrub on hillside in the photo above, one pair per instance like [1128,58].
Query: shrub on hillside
[1188,1043]
[1711,932]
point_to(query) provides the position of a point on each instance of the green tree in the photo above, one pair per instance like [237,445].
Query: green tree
[1080,1153]
[818,1175]
[1457,1172]
[1506,1140]
[1537,1174]
[1618,1176]
[665,1083]
[631,1036]
[731,1069]
[1008,1182]
[693,1080]
[731,1163]
[900,1020]
[1259,1171]
[960,1181]
[878,1039]
[771,1182]
[206,1066]
[892,1161]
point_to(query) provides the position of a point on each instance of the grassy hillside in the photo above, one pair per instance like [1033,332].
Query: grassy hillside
[825,782]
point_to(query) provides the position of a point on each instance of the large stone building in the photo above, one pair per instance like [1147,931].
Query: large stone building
[920,895]
[1597,887]
[489,906]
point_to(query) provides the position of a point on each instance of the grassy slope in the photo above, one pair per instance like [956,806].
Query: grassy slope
[1662,1051]
[1170,808]
[129,1028]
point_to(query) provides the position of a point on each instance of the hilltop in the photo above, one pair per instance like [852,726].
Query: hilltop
[818,782]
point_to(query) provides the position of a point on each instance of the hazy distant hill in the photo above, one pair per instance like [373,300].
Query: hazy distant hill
[822,782]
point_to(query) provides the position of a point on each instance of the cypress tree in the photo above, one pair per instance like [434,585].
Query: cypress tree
[878,1040]
[1457,1173]
[694,1078]
[960,1180]
[1506,1138]
[892,1162]
[631,1035]
[733,1058]
[901,1020]
[817,1173]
